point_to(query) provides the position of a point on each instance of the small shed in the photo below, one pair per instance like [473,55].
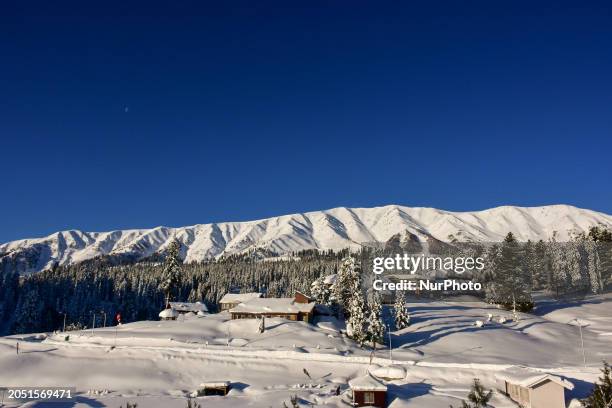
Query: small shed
[168,314]
[533,389]
[214,388]
[368,392]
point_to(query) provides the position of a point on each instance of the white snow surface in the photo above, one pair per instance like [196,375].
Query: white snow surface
[158,364]
[336,229]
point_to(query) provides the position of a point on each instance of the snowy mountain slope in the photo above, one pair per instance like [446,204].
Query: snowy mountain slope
[330,229]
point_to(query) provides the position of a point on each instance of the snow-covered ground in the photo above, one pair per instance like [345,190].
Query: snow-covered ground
[158,364]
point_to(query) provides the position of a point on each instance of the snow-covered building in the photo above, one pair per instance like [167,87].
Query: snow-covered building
[186,307]
[297,308]
[214,388]
[533,389]
[368,392]
[231,300]
[168,314]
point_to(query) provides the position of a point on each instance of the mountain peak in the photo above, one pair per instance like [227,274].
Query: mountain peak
[336,228]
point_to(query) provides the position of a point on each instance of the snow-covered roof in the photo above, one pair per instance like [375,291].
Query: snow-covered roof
[215,384]
[273,305]
[188,307]
[239,297]
[528,378]
[367,383]
[168,313]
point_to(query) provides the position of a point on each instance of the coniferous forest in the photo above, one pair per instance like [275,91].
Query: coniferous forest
[84,293]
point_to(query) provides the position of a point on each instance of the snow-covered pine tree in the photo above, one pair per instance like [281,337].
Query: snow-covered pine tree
[355,302]
[357,318]
[593,266]
[375,327]
[559,277]
[511,283]
[478,397]
[540,265]
[320,291]
[601,396]
[603,238]
[400,311]
[348,272]
[171,274]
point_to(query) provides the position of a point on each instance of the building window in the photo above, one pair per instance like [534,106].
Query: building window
[368,397]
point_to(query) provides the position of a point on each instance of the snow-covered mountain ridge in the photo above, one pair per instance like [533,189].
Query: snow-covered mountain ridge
[330,229]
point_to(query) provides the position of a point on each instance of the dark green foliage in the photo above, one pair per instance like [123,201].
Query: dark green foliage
[510,285]
[171,274]
[600,234]
[601,396]
[478,397]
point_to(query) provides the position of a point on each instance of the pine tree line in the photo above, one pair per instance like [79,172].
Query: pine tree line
[138,291]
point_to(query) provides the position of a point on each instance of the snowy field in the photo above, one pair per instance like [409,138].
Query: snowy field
[158,364]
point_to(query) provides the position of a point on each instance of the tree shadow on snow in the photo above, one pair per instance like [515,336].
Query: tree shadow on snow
[407,391]
[240,386]
[547,305]
[416,339]
[581,388]
[37,351]
[69,404]
[416,309]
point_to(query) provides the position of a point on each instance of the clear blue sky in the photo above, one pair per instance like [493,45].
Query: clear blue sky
[138,115]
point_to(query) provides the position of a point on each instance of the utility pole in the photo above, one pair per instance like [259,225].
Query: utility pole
[582,344]
[93,322]
[228,336]
[64,322]
[580,326]
[104,313]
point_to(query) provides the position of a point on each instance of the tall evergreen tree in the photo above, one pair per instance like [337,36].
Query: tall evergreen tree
[355,303]
[375,327]
[171,274]
[350,271]
[511,282]
[400,311]
[357,319]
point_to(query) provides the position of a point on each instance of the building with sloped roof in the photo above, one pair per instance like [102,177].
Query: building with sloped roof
[298,308]
[533,389]
[368,391]
[231,300]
